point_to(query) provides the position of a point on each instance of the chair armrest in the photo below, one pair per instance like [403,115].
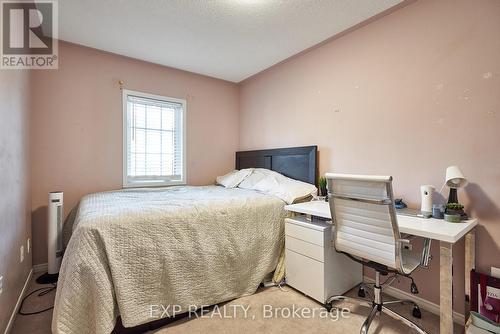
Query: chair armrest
[426,253]
[425,256]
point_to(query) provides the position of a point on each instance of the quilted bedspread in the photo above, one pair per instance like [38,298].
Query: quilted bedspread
[185,246]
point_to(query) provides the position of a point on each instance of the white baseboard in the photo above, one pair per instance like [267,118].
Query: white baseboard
[18,304]
[40,268]
[422,303]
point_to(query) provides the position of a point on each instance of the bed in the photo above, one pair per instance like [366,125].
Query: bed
[134,252]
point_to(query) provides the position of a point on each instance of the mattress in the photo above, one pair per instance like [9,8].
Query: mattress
[133,251]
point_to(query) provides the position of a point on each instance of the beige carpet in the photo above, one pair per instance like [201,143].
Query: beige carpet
[255,322]
[38,323]
[280,305]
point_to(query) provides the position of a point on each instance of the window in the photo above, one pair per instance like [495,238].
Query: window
[154,140]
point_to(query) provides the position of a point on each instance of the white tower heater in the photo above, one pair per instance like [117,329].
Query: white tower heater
[54,237]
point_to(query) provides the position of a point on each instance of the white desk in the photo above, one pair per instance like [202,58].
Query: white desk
[446,233]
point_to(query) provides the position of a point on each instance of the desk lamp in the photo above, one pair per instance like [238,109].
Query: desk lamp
[454,179]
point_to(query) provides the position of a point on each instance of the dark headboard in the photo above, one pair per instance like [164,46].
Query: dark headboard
[299,163]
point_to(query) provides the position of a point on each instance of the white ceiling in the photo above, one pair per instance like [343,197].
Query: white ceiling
[226,39]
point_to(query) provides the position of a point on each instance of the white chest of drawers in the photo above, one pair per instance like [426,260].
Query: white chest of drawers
[312,265]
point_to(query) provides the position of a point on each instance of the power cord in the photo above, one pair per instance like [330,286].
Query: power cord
[43,292]
[392,278]
[389,280]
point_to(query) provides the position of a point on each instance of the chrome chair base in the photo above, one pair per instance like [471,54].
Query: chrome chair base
[378,306]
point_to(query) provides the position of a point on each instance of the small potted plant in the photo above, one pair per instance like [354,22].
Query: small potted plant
[454,212]
[322,186]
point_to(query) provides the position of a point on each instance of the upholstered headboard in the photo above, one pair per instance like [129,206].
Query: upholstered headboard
[299,163]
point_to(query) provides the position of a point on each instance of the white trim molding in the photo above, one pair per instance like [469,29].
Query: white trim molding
[422,303]
[18,304]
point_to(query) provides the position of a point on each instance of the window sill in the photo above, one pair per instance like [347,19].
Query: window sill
[154,184]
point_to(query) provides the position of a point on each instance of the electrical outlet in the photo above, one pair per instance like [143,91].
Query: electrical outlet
[408,247]
[1,284]
[21,259]
[495,272]
[28,245]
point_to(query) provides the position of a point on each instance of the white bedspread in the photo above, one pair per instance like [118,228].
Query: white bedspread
[182,246]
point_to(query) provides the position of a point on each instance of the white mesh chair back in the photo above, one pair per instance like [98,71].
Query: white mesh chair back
[362,208]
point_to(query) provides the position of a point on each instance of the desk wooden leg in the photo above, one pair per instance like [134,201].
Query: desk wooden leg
[446,288]
[470,264]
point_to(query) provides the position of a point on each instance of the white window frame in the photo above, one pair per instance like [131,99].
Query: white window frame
[126,134]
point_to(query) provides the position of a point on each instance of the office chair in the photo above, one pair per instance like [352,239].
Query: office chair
[366,230]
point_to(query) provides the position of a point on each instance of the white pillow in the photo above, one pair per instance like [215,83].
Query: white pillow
[257,175]
[232,179]
[289,190]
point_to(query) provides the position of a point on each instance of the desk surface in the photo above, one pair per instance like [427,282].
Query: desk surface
[437,229]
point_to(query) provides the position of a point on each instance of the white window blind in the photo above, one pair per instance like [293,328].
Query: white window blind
[154,148]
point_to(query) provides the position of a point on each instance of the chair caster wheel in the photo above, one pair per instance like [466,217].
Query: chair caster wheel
[361,293]
[328,306]
[416,312]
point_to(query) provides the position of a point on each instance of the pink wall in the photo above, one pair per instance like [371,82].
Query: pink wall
[77,126]
[15,224]
[406,95]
